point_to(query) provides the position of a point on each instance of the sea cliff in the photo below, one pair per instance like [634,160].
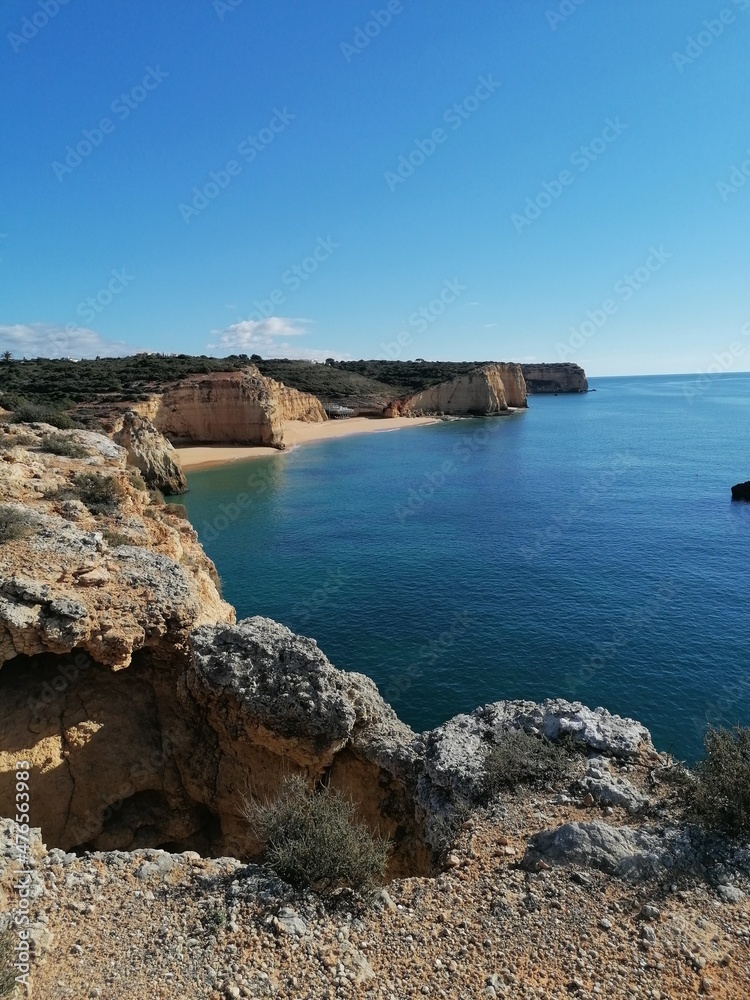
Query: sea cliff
[146,717]
[551,378]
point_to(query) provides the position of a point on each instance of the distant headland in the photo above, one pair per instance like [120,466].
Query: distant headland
[153,404]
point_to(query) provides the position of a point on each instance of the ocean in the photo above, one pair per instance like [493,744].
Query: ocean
[587,549]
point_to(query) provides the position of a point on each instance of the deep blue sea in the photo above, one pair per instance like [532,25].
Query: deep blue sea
[586,548]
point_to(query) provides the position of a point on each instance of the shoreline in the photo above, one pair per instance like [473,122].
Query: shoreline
[196,457]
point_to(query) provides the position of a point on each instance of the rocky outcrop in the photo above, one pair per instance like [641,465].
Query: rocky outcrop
[741,491]
[551,378]
[150,452]
[276,705]
[486,390]
[241,407]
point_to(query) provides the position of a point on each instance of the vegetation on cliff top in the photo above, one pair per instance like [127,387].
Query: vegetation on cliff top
[48,389]
[314,842]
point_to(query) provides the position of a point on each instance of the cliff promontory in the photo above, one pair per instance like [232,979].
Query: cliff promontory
[484,391]
[551,378]
[241,407]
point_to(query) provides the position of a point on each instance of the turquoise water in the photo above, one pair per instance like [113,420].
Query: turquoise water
[586,548]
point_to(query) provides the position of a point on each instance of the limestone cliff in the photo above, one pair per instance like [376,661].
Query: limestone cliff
[148,717]
[150,452]
[563,377]
[486,390]
[230,407]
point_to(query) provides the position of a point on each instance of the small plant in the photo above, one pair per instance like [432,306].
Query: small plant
[58,444]
[14,524]
[31,413]
[136,480]
[314,842]
[115,538]
[718,794]
[215,920]
[7,973]
[101,494]
[19,440]
[523,759]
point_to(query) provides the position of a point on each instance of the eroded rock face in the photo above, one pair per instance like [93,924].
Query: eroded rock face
[563,377]
[231,407]
[453,755]
[277,705]
[150,452]
[485,391]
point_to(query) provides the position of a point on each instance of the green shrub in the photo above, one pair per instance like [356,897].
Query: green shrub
[20,440]
[313,840]
[523,759]
[7,971]
[115,538]
[33,413]
[101,494]
[14,524]
[136,480]
[718,795]
[58,444]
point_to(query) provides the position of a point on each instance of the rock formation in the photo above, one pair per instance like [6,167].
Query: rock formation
[148,717]
[150,452]
[563,377]
[741,491]
[486,390]
[241,407]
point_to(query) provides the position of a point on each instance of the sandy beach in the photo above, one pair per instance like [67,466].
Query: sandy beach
[296,432]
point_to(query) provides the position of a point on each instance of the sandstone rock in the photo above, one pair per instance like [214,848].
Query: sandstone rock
[487,390]
[550,378]
[241,407]
[276,704]
[150,452]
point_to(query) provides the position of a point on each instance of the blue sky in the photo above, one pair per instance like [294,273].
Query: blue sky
[519,181]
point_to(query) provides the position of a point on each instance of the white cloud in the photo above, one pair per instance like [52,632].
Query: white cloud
[269,338]
[47,340]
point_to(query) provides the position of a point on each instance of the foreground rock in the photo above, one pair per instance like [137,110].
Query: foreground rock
[741,491]
[150,452]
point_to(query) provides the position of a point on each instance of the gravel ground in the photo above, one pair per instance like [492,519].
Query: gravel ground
[156,926]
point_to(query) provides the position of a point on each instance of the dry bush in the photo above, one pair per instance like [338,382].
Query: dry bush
[523,759]
[314,842]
